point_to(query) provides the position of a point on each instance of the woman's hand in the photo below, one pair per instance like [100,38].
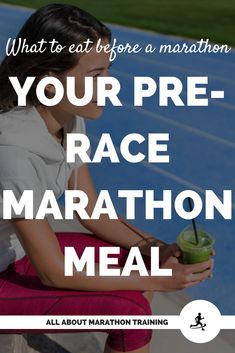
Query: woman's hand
[183,276]
[165,250]
[168,250]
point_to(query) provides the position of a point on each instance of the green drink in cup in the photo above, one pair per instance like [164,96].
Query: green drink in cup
[195,250]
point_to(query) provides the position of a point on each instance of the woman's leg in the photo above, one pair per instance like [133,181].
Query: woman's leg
[22,293]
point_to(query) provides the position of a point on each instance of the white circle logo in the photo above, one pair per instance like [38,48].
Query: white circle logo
[200,321]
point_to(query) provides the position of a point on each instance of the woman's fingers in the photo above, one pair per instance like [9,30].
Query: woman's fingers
[199,277]
[199,267]
[171,261]
[167,251]
[175,250]
[213,252]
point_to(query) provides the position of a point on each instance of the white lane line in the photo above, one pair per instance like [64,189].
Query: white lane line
[171,176]
[224,105]
[178,68]
[182,126]
[17,7]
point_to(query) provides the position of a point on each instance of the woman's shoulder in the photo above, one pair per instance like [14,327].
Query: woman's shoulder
[14,120]
[15,112]
[13,152]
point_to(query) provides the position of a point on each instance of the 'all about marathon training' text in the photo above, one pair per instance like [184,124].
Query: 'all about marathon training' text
[106,322]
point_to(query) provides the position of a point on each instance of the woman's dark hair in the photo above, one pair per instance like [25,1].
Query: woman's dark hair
[68,25]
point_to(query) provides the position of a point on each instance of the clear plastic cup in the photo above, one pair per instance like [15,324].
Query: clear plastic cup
[192,252]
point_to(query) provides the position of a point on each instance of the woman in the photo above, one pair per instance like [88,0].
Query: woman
[32,156]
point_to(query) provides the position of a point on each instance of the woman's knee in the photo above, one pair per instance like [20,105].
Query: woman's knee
[140,304]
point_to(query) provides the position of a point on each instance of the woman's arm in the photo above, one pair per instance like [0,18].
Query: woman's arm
[43,249]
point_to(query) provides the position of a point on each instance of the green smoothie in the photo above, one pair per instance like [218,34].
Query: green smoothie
[193,253]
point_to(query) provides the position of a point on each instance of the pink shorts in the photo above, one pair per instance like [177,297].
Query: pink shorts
[22,293]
